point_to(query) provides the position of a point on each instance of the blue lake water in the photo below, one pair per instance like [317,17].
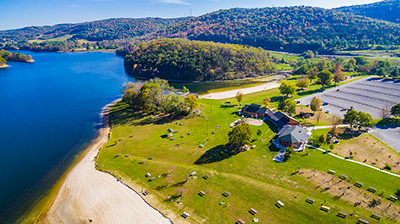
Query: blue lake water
[49,111]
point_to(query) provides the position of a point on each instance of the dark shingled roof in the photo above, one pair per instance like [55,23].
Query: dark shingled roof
[293,134]
[255,108]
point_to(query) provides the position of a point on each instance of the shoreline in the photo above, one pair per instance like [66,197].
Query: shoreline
[87,194]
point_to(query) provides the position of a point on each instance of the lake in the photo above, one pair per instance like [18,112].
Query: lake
[49,112]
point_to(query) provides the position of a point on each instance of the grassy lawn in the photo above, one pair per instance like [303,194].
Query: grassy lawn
[252,178]
[57,39]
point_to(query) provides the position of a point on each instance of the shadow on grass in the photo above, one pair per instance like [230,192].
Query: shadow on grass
[273,148]
[349,134]
[388,122]
[309,92]
[123,114]
[397,194]
[173,197]
[215,154]
[271,125]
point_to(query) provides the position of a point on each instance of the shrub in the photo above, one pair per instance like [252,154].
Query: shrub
[387,167]
[322,139]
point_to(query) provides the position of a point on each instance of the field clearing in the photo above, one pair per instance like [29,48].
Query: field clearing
[346,190]
[57,39]
[252,178]
[367,148]
[324,118]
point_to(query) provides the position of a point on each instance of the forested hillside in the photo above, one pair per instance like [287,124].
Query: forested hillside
[293,29]
[185,60]
[108,32]
[8,56]
[385,10]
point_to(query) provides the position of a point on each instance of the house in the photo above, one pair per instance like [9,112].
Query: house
[254,110]
[292,136]
[280,119]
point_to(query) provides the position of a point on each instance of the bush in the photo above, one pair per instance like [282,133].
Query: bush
[387,167]
[331,146]
[322,139]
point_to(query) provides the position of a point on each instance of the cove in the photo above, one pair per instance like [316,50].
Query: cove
[49,112]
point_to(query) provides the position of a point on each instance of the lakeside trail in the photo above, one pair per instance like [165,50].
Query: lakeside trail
[90,196]
[232,93]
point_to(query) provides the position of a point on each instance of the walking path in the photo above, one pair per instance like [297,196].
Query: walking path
[353,161]
[232,93]
[330,126]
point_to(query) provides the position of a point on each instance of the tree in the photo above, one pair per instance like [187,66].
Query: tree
[364,120]
[350,118]
[290,107]
[358,119]
[315,103]
[287,88]
[185,90]
[266,102]
[313,73]
[2,61]
[288,152]
[394,72]
[282,104]
[322,139]
[395,110]
[240,135]
[325,78]
[192,101]
[303,82]
[338,74]
[239,96]
[361,60]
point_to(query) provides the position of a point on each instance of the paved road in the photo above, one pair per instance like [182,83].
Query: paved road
[390,136]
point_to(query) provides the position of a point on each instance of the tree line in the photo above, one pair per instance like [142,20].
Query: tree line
[292,29]
[8,56]
[185,60]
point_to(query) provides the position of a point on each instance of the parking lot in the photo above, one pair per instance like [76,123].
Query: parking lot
[371,95]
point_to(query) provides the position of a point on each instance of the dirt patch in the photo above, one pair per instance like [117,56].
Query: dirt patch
[343,190]
[366,148]
[324,118]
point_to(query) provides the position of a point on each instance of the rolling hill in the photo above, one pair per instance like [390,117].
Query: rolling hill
[384,10]
[292,29]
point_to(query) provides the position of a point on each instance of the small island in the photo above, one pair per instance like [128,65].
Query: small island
[9,56]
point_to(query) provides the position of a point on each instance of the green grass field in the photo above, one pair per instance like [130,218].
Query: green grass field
[252,178]
[57,39]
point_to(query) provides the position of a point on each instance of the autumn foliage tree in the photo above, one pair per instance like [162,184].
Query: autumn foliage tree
[240,135]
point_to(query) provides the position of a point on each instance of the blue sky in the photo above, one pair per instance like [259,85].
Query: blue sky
[22,13]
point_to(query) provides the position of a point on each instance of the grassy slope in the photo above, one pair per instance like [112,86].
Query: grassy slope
[254,180]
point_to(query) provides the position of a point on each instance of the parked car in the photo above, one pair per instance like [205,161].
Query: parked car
[337,90]
[325,103]
[343,109]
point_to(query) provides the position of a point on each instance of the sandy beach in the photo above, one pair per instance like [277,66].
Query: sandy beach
[232,93]
[91,196]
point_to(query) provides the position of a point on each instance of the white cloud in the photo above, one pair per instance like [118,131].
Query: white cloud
[180,2]
[73,5]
